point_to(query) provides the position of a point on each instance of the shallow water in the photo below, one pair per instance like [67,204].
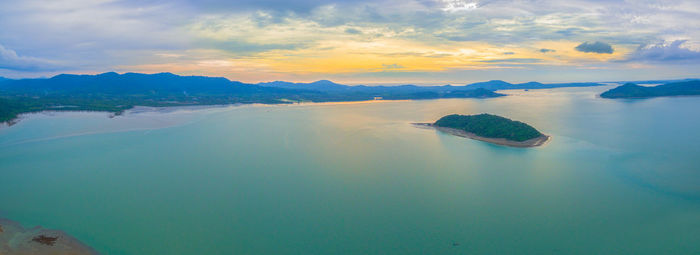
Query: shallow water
[618,177]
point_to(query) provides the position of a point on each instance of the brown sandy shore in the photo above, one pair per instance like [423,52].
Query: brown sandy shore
[534,142]
[17,240]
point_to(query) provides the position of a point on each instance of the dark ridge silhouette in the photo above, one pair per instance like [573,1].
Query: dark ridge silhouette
[631,90]
[502,85]
[113,92]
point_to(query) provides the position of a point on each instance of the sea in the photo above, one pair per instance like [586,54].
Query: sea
[617,177]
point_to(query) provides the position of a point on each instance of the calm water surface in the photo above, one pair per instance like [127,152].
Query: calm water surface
[618,177]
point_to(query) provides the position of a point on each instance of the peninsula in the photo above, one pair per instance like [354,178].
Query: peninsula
[490,128]
[113,92]
[631,90]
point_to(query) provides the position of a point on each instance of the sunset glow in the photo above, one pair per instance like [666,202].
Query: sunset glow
[424,42]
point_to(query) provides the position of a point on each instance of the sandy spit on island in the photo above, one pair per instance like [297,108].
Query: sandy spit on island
[534,142]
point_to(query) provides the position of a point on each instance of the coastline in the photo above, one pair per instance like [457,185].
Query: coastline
[534,142]
[172,108]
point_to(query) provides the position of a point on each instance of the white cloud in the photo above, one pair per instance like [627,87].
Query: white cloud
[669,52]
[9,59]
[458,5]
[99,35]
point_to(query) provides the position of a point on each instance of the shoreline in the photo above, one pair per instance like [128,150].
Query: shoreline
[534,142]
[17,239]
[138,109]
[164,109]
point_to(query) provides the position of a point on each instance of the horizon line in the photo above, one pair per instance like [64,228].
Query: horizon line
[354,84]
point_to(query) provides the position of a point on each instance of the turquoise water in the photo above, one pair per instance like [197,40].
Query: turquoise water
[618,177]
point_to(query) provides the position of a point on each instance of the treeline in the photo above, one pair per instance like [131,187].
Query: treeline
[114,92]
[491,126]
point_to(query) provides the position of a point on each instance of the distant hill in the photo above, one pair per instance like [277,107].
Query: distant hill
[464,93]
[322,85]
[656,81]
[329,86]
[160,85]
[502,85]
[493,85]
[115,92]
[631,90]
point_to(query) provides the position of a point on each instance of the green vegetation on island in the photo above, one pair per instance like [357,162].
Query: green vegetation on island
[490,126]
[631,90]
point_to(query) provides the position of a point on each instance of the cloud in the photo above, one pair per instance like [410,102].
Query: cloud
[665,52]
[353,31]
[569,31]
[9,59]
[289,38]
[392,66]
[243,48]
[513,60]
[218,6]
[596,47]
[458,5]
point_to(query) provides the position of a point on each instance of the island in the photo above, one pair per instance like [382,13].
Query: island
[631,90]
[489,128]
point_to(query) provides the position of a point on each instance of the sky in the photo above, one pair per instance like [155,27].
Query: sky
[431,42]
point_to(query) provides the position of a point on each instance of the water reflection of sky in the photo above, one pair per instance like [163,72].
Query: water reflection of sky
[646,137]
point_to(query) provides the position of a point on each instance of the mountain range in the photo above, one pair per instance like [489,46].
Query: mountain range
[132,82]
[325,85]
[631,90]
[113,92]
